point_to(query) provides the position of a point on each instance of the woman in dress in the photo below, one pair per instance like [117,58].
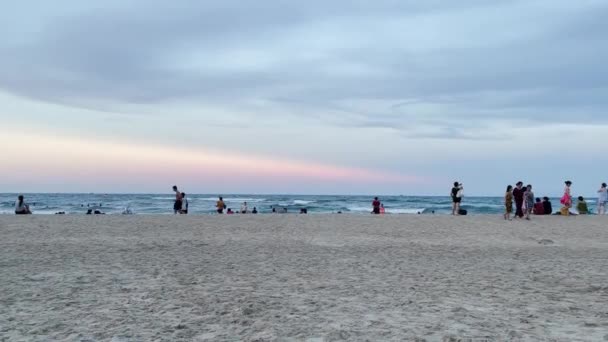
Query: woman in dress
[602,198]
[567,197]
[508,203]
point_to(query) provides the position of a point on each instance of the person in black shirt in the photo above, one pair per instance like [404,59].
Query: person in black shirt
[456,195]
[518,196]
[547,206]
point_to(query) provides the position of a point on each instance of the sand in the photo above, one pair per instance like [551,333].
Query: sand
[303,278]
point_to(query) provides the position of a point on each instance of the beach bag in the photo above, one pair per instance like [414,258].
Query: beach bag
[462,212]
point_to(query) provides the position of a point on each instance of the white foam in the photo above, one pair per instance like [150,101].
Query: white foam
[302,202]
[404,211]
[231,199]
[360,209]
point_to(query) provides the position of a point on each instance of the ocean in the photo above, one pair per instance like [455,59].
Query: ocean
[46,203]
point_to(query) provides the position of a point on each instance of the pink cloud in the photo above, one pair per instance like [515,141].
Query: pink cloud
[48,158]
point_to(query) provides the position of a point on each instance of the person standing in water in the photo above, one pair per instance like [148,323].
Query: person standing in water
[602,198]
[376,206]
[456,195]
[184,204]
[518,196]
[508,203]
[220,205]
[177,206]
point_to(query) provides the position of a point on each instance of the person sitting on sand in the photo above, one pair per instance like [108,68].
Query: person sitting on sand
[220,205]
[255,210]
[547,207]
[539,208]
[244,208]
[382,210]
[581,206]
[508,202]
[184,209]
[376,206]
[21,208]
[230,212]
[602,198]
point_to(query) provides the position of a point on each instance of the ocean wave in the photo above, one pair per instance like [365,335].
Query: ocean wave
[302,202]
[230,199]
[360,209]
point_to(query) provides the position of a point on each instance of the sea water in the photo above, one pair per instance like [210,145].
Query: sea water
[46,203]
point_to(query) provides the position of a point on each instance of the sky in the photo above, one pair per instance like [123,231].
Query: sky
[303,97]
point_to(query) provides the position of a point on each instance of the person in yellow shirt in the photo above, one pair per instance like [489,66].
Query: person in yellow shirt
[220,205]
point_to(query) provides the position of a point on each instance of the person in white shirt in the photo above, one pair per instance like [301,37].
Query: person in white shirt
[602,198]
[21,208]
[244,208]
[184,209]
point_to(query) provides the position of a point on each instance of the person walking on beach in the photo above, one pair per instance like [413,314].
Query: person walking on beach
[220,205]
[184,204]
[529,200]
[456,195]
[21,208]
[177,206]
[518,196]
[602,198]
[508,203]
[376,206]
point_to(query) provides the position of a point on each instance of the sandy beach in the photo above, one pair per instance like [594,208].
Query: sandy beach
[302,278]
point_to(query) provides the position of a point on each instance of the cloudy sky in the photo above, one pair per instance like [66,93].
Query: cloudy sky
[330,97]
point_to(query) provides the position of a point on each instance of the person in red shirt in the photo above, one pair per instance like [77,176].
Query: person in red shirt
[539,208]
[376,206]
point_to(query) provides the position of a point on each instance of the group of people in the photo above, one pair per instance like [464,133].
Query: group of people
[220,206]
[377,207]
[527,204]
[181,202]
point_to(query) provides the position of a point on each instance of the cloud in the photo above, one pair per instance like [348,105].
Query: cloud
[423,68]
